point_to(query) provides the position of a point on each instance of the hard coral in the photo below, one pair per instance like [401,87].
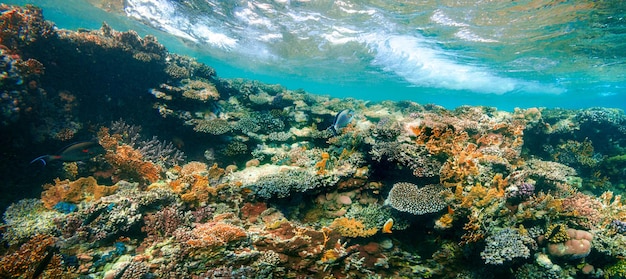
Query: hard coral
[407,197]
[214,234]
[129,164]
[556,233]
[82,189]
[505,246]
[26,218]
[578,246]
[350,227]
[22,27]
[23,262]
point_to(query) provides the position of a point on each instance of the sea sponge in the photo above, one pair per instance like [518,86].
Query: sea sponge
[578,246]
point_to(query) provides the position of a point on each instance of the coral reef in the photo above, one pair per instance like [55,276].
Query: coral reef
[231,178]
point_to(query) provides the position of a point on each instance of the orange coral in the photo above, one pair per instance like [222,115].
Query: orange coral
[214,234]
[194,183]
[445,221]
[127,161]
[129,164]
[462,165]
[350,227]
[85,188]
[480,196]
[321,165]
[441,139]
[22,263]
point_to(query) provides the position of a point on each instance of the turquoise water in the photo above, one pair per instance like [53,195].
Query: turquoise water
[502,54]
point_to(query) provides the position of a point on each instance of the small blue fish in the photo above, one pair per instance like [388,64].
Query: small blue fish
[342,119]
[74,152]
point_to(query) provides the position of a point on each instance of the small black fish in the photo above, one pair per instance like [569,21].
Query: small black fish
[74,152]
[51,250]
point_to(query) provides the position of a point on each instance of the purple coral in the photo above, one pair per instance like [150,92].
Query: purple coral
[505,246]
[620,226]
[520,192]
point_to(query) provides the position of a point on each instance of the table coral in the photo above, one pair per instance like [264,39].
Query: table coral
[407,197]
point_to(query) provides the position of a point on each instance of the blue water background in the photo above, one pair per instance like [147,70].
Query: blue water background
[388,78]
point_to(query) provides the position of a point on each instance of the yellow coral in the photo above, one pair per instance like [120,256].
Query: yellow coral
[350,227]
[444,222]
[557,233]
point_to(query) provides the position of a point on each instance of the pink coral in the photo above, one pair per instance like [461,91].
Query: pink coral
[584,206]
[577,247]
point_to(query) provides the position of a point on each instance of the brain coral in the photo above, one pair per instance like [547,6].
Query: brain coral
[407,197]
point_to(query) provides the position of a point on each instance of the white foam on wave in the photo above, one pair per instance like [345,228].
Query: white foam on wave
[253,28]
[164,15]
[422,64]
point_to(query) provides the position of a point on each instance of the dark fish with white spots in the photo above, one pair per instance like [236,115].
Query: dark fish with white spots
[342,119]
[74,152]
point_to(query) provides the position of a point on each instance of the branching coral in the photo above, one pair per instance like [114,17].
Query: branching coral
[26,218]
[24,262]
[164,222]
[506,245]
[584,208]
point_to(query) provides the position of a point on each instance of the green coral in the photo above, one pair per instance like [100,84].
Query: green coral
[617,270]
[27,218]
[372,215]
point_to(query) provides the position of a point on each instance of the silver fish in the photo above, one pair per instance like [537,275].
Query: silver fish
[342,119]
